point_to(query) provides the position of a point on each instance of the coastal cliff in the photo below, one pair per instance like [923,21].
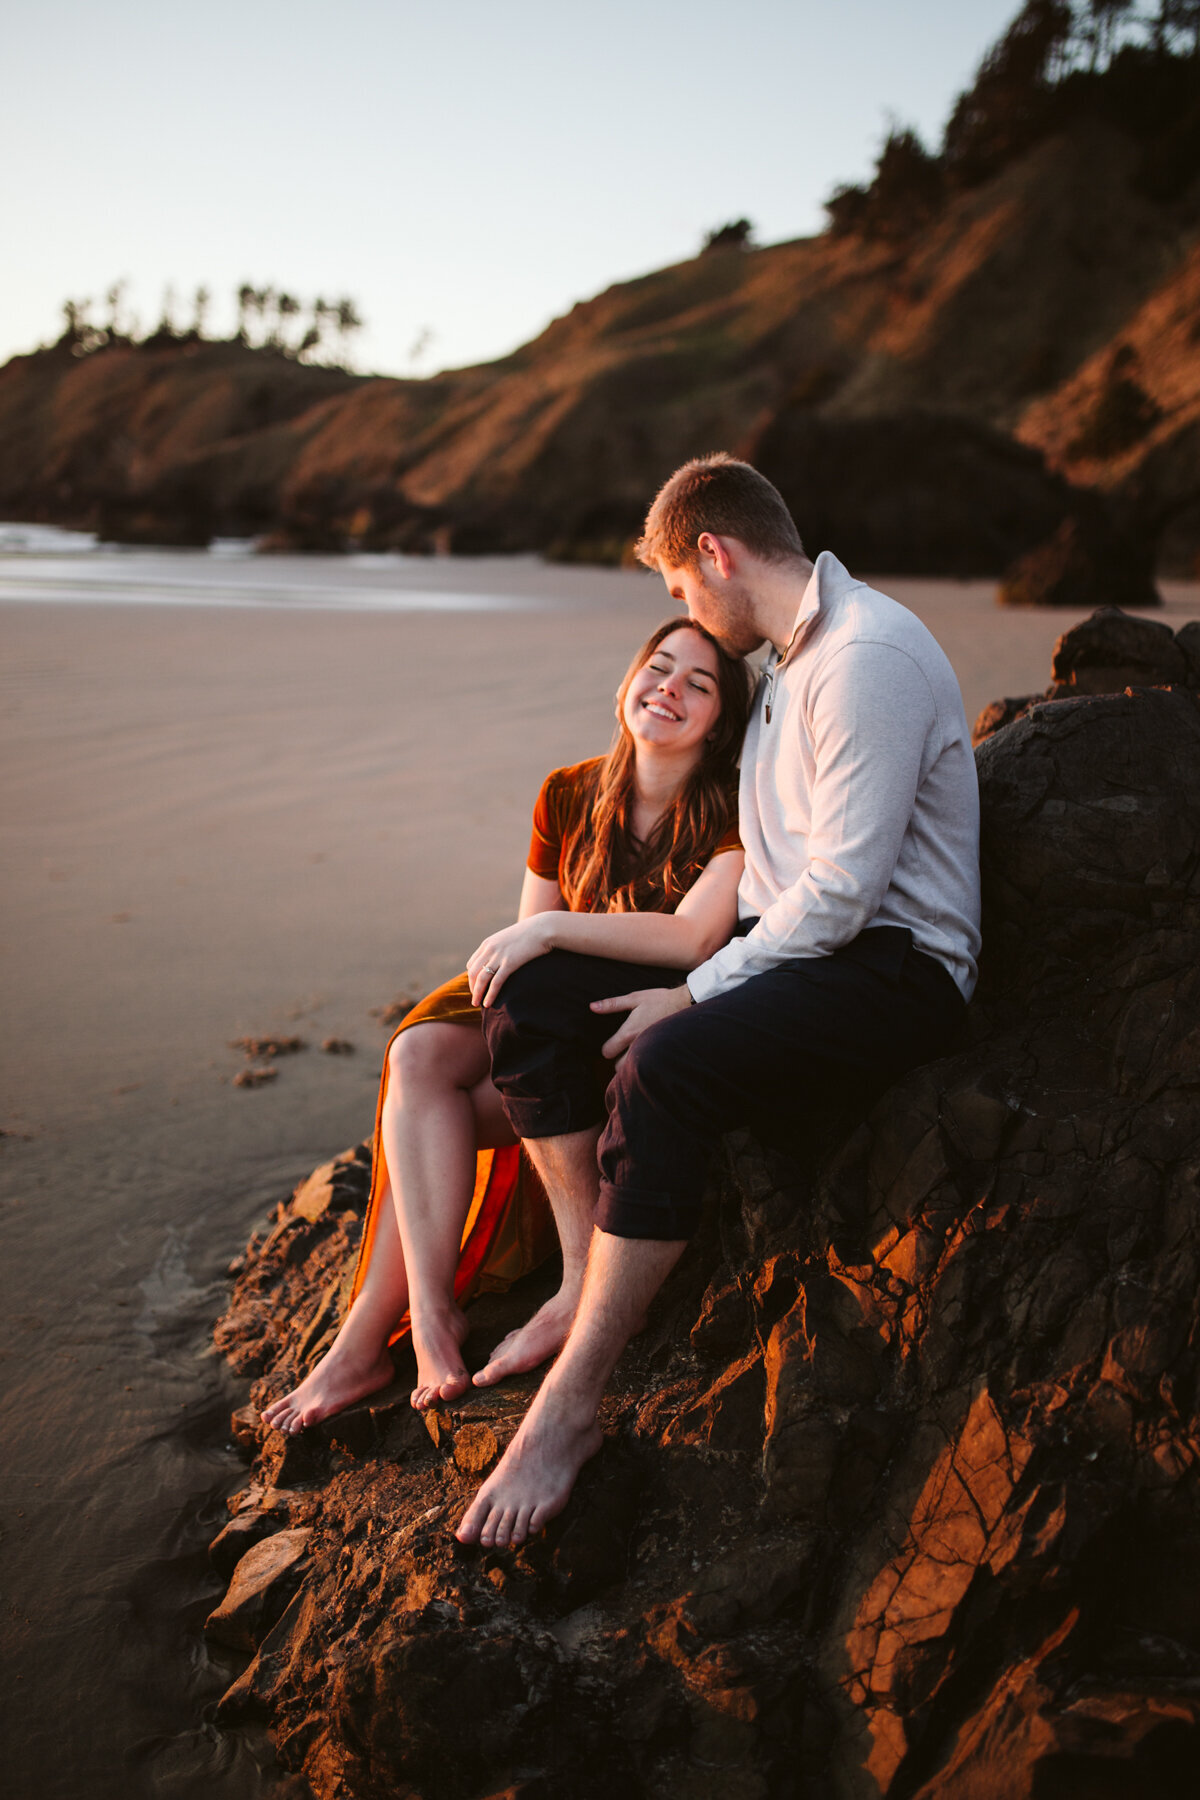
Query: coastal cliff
[898,1493]
[932,395]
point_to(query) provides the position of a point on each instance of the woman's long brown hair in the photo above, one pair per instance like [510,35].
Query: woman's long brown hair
[605,868]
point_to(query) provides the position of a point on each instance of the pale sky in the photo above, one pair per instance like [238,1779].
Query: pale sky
[469,169]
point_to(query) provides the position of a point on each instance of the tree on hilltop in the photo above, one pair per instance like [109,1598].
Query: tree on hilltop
[736,235]
[1057,62]
[348,321]
[906,190]
[1004,108]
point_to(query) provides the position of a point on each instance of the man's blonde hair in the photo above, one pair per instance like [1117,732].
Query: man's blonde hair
[726,497]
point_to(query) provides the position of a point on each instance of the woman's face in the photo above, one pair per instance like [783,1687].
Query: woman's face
[674,700]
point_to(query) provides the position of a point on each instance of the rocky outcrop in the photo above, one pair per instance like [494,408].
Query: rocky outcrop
[1102,655]
[899,1488]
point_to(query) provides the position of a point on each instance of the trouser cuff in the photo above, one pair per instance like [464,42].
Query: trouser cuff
[559,1115]
[645,1213]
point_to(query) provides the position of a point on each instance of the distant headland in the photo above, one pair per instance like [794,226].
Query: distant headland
[987,364]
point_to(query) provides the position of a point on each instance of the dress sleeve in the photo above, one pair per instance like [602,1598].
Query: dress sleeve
[730,841]
[545,845]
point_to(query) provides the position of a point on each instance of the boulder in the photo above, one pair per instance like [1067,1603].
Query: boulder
[899,1488]
[1104,654]
[264,1579]
[1084,561]
[243,1531]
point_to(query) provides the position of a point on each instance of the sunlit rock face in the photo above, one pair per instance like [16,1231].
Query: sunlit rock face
[899,1491]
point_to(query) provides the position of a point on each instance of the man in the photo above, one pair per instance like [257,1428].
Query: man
[857,946]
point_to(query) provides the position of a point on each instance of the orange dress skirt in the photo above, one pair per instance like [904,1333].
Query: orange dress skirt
[509,1228]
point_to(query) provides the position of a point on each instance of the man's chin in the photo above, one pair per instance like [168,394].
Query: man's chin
[737,646]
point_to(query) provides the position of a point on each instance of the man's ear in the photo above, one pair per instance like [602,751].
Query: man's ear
[717,550]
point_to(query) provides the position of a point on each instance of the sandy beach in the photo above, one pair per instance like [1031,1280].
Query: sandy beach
[241,796]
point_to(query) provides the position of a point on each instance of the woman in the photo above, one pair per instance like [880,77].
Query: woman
[635,855]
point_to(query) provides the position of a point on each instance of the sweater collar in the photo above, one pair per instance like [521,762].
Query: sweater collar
[825,587]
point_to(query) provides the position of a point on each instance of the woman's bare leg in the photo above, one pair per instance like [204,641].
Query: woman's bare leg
[357,1363]
[440,1105]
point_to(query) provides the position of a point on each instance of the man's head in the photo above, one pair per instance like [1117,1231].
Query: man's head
[719,534]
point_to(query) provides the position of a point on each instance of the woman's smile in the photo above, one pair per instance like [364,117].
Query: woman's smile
[676,687]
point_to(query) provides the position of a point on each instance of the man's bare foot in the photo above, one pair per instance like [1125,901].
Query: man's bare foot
[340,1378]
[542,1336]
[441,1372]
[533,1479]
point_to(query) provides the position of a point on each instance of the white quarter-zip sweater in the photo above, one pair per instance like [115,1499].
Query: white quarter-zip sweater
[858,802]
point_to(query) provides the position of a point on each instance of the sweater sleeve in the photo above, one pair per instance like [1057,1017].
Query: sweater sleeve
[874,730]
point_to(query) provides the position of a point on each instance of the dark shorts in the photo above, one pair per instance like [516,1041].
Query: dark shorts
[877,1007]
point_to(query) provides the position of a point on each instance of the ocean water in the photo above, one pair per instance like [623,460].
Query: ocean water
[46,563]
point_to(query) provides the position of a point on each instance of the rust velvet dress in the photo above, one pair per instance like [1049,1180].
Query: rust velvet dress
[509,1229]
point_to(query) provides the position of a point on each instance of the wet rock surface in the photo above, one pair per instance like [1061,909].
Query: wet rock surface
[899,1490]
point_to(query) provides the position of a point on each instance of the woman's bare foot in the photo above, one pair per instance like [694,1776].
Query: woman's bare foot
[542,1336]
[441,1372]
[533,1479]
[340,1378]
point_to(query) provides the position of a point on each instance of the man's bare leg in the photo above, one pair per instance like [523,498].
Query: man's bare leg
[567,1166]
[534,1477]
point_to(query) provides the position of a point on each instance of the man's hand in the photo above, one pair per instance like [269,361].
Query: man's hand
[644,1008]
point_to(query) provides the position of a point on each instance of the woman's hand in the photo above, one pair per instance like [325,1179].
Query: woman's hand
[498,955]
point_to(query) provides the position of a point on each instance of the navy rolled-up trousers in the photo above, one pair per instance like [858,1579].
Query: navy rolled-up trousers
[877,1006]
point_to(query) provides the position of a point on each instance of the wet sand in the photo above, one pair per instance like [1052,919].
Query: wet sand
[218,819]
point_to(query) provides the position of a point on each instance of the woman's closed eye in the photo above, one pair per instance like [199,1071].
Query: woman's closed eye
[699,687]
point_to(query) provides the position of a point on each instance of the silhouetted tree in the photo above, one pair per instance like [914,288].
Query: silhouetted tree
[733,236]
[246,298]
[1178,25]
[75,314]
[268,302]
[166,322]
[289,309]
[113,300]
[201,301]
[1005,107]
[905,191]
[348,321]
